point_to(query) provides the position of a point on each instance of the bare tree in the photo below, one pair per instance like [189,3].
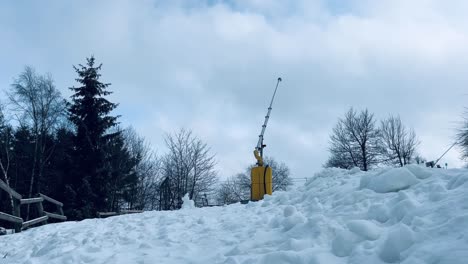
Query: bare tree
[204,177]
[238,187]
[148,170]
[234,189]
[398,144]
[176,165]
[344,152]
[340,160]
[37,104]
[5,155]
[281,174]
[462,136]
[224,194]
[354,141]
[419,159]
[149,173]
[189,166]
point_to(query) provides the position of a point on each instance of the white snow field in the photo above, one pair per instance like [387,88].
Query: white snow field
[407,215]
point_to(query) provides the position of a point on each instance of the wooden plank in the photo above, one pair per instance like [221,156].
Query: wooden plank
[7,189]
[17,213]
[10,218]
[35,221]
[32,200]
[60,210]
[56,216]
[131,211]
[106,213]
[40,210]
[47,198]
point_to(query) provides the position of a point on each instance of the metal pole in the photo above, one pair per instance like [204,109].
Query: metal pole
[453,145]
[260,137]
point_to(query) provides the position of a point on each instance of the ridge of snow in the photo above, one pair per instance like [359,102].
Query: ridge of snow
[389,180]
[406,215]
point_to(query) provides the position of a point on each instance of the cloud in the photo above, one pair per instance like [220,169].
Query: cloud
[212,67]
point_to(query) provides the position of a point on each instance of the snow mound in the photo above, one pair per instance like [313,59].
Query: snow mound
[411,215]
[344,243]
[399,239]
[418,171]
[391,180]
[365,229]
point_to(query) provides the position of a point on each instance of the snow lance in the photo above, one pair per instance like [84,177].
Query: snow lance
[434,163]
[261,175]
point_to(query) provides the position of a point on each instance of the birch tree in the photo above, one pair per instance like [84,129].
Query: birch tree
[37,104]
[6,134]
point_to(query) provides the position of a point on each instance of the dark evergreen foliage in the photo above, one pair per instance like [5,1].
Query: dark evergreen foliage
[90,112]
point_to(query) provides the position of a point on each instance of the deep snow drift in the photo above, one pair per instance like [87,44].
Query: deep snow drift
[408,215]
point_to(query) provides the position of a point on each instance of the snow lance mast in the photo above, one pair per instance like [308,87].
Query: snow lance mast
[261,175]
[433,164]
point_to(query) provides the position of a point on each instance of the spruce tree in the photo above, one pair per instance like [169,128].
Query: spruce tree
[62,165]
[124,178]
[90,112]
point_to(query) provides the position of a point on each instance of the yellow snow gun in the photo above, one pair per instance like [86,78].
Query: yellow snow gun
[261,174]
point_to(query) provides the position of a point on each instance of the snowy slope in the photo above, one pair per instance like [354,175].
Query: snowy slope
[407,215]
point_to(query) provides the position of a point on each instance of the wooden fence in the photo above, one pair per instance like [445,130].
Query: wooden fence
[107,214]
[18,201]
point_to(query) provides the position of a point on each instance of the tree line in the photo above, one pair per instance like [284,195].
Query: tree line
[358,140]
[75,150]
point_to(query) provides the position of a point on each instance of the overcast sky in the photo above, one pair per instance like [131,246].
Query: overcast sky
[211,66]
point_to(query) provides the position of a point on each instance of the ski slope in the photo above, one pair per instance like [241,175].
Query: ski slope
[407,215]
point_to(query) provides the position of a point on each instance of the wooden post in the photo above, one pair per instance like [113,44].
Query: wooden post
[40,211]
[60,210]
[17,213]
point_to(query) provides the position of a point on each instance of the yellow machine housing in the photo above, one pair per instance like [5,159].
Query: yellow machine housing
[261,179]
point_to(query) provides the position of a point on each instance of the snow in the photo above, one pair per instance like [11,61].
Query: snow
[365,229]
[399,239]
[187,203]
[389,181]
[410,215]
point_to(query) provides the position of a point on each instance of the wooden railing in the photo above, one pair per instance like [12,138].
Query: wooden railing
[18,201]
[107,214]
